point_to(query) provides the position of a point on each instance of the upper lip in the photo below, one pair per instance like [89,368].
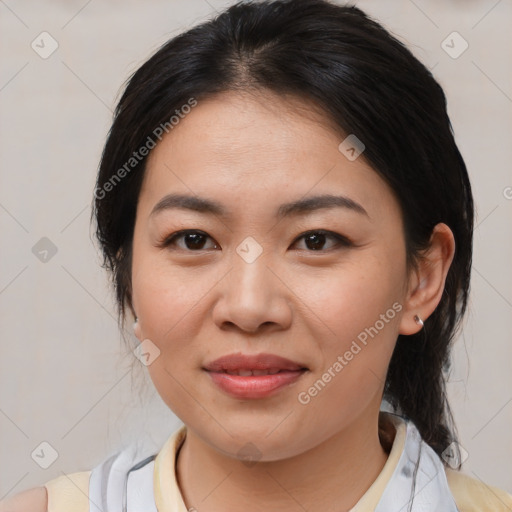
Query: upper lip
[233,362]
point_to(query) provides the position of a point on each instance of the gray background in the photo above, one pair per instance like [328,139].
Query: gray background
[65,373]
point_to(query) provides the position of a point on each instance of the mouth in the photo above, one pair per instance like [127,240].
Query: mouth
[246,365]
[254,376]
[255,386]
[256,373]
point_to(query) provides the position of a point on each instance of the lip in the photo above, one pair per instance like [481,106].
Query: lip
[239,361]
[254,386]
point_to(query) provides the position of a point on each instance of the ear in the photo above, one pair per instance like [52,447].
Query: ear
[426,282]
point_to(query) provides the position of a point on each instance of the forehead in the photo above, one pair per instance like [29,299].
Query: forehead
[233,125]
[257,148]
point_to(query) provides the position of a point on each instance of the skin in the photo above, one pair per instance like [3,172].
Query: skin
[35,500]
[252,153]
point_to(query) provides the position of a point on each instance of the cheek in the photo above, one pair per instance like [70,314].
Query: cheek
[359,308]
[351,298]
[168,302]
[161,295]
[169,308]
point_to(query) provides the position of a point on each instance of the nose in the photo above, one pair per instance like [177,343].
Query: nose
[253,298]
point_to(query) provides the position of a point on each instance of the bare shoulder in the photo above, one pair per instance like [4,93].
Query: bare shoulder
[32,500]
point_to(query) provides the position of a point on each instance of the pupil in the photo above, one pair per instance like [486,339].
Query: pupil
[196,240]
[312,237]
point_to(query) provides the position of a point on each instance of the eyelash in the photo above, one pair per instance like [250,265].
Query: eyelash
[341,241]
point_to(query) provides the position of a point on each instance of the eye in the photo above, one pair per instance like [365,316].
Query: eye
[315,240]
[193,240]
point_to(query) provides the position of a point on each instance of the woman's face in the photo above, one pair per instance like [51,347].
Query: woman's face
[251,281]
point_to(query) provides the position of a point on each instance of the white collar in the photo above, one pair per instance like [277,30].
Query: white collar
[418,483]
[124,482]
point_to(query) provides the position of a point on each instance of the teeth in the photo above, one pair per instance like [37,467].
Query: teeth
[270,371]
[247,373]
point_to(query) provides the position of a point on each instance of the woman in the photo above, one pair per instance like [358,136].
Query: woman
[289,221]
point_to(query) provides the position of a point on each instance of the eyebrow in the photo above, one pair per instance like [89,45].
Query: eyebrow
[298,207]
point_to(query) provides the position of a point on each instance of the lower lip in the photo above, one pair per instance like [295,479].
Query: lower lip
[255,386]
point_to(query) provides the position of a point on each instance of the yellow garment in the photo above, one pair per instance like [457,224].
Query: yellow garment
[472,495]
[69,493]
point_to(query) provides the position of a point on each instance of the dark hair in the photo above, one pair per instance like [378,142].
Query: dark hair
[366,82]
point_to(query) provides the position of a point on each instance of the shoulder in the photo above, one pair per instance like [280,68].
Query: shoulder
[69,493]
[33,500]
[66,493]
[472,495]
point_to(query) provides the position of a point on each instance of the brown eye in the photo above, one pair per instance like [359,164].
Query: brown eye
[316,240]
[193,240]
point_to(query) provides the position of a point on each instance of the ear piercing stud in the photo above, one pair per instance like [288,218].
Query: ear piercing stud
[418,320]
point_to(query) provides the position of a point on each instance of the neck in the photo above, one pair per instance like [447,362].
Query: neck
[333,475]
